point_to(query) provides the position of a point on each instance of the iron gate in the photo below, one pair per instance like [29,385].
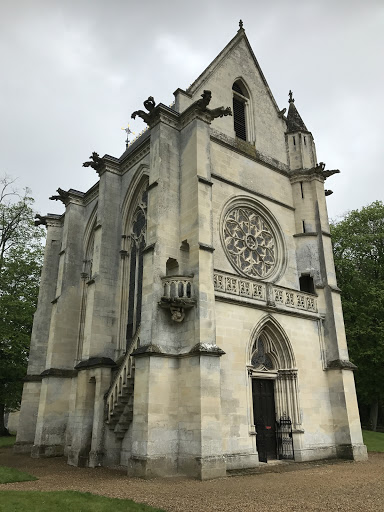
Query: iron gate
[284,438]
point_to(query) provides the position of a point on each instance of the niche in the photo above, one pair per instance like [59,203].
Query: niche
[306,283]
[172,267]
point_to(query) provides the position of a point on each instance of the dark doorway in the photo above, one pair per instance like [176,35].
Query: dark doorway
[264,417]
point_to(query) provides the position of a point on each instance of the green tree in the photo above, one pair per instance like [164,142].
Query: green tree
[358,243]
[21,255]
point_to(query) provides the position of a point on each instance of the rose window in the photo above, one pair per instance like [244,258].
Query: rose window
[250,242]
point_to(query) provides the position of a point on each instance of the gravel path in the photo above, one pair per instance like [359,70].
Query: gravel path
[341,486]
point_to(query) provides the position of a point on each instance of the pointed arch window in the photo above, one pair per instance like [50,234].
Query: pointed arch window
[137,240]
[240,98]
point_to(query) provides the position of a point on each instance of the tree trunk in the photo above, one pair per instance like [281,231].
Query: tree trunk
[374,412]
[3,430]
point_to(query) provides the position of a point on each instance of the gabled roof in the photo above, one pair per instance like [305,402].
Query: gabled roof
[240,36]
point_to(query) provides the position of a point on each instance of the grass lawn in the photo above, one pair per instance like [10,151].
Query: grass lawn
[70,501]
[374,441]
[8,475]
[7,441]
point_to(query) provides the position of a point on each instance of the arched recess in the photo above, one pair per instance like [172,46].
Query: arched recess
[86,276]
[243,113]
[270,356]
[131,268]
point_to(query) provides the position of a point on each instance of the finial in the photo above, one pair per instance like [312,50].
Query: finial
[241,24]
[291,100]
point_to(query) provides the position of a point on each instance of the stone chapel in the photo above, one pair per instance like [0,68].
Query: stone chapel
[189,320]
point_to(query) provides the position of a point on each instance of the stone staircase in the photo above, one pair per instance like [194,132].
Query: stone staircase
[119,398]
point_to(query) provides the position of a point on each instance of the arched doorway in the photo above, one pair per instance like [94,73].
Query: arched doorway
[273,375]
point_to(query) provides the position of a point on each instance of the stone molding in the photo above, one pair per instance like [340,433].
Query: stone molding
[206,181]
[250,191]
[52,220]
[341,364]
[150,247]
[137,154]
[33,378]
[198,349]
[91,194]
[58,372]
[206,247]
[249,151]
[308,233]
[315,173]
[95,362]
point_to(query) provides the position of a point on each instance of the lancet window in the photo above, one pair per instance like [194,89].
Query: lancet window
[137,243]
[134,241]
[240,98]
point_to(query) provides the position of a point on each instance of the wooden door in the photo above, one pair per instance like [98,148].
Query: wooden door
[264,418]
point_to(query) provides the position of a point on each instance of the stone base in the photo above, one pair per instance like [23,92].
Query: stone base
[95,459]
[22,447]
[317,453]
[242,461]
[42,450]
[78,458]
[357,452]
[202,468]
[151,467]
[211,467]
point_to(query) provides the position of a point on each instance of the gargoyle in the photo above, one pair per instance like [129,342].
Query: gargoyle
[63,196]
[40,220]
[204,102]
[320,168]
[220,112]
[282,112]
[327,174]
[149,104]
[328,192]
[96,162]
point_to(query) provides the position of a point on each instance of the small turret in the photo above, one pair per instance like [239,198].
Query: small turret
[301,146]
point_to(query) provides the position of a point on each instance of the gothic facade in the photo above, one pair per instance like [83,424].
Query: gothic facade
[189,320]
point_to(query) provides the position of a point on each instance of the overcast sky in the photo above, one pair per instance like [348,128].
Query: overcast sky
[72,72]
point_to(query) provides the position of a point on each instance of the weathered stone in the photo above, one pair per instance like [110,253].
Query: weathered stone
[202,263]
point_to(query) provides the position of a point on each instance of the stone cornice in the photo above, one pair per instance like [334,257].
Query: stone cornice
[111,164]
[59,372]
[248,150]
[33,378]
[206,349]
[206,247]
[95,362]
[341,364]
[138,154]
[75,197]
[91,194]
[315,173]
[54,221]
[206,181]
[308,233]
